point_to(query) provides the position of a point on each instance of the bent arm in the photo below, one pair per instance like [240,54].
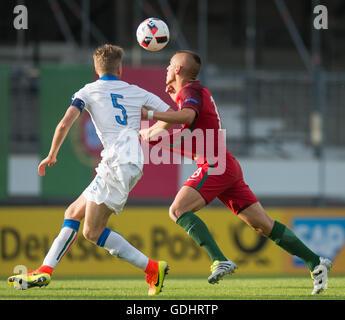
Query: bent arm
[166,120]
[184,116]
[160,126]
[62,129]
[60,134]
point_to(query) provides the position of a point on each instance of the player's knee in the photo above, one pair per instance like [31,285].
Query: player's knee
[74,213]
[175,212]
[261,229]
[257,229]
[90,235]
[264,227]
[172,213]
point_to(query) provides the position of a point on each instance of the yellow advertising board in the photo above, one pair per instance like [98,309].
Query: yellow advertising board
[26,234]
[323,231]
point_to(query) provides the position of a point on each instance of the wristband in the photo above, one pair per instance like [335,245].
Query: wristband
[150,115]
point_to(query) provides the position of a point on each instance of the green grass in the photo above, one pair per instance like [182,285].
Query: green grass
[235,288]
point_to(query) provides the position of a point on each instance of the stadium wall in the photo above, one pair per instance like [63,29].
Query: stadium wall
[26,234]
[4,120]
[57,85]
[275,178]
[308,179]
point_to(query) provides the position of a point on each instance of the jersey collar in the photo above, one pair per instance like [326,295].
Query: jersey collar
[109,77]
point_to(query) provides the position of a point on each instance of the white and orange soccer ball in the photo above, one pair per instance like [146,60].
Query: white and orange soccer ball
[153,34]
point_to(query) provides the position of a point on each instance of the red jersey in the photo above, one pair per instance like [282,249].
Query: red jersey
[197,97]
[219,174]
[204,140]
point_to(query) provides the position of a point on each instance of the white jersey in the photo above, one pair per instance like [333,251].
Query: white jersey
[115,110]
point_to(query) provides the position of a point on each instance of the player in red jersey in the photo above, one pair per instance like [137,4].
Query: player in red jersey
[218,175]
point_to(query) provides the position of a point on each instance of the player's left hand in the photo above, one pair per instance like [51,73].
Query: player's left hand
[145,134]
[42,166]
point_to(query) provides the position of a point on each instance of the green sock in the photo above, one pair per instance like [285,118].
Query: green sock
[199,232]
[286,239]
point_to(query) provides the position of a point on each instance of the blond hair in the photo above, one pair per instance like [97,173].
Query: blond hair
[108,58]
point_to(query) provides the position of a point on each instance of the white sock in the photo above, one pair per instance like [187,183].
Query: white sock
[62,243]
[121,248]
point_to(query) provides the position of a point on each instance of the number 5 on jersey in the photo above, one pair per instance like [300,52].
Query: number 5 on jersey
[118,119]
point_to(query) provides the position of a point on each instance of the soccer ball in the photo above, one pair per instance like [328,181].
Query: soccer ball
[153,34]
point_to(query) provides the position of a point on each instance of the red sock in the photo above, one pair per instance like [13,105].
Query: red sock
[152,267]
[45,269]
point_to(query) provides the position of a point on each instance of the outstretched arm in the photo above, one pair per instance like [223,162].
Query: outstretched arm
[184,116]
[160,126]
[60,134]
[166,119]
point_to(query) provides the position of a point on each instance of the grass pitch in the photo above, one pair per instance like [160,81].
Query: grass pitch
[231,288]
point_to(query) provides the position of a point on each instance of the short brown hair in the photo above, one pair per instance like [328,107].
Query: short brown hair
[108,57]
[194,67]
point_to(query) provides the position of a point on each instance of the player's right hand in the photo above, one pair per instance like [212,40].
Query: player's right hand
[42,166]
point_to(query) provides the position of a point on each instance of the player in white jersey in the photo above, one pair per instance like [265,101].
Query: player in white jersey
[115,109]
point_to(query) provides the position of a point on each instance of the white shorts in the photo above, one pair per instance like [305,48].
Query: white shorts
[112,185]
